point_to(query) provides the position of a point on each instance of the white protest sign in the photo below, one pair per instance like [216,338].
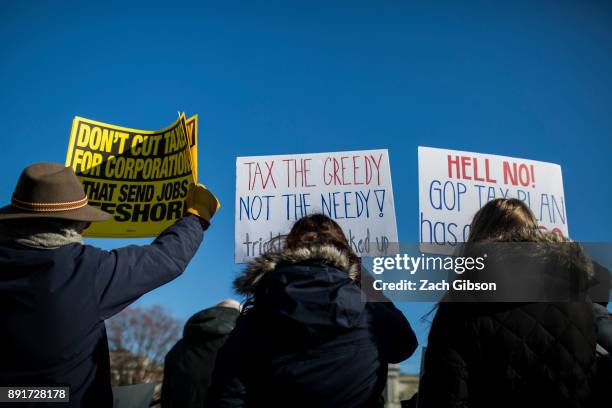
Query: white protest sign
[453,185]
[352,188]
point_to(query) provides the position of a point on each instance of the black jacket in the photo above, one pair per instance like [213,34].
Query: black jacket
[310,340]
[514,354]
[189,364]
[53,304]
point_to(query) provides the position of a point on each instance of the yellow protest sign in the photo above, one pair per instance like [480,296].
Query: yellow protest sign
[140,177]
[192,135]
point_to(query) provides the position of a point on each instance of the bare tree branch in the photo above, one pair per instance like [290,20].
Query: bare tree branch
[139,339]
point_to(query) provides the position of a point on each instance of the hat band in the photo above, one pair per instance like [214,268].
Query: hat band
[49,207]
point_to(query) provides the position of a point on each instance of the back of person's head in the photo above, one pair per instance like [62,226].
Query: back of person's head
[42,232]
[318,230]
[312,238]
[44,224]
[530,252]
[502,219]
[230,304]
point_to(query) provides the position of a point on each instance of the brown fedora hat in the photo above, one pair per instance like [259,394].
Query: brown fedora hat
[50,190]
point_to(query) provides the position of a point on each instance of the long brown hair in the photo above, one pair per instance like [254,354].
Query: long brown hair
[500,218]
[318,230]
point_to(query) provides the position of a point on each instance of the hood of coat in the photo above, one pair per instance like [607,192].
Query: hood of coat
[212,322]
[313,287]
[328,255]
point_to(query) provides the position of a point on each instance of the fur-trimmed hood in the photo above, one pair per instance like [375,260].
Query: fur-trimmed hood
[327,255]
[313,287]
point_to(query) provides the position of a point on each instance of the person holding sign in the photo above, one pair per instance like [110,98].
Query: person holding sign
[56,292]
[307,337]
[521,353]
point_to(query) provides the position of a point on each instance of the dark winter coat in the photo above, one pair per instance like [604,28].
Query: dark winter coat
[53,304]
[515,354]
[189,364]
[310,340]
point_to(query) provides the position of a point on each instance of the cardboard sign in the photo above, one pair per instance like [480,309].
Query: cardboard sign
[353,188]
[191,126]
[140,177]
[453,185]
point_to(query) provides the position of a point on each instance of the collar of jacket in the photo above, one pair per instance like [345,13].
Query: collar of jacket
[49,234]
[329,255]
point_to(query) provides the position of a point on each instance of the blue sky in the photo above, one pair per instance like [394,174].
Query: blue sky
[523,79]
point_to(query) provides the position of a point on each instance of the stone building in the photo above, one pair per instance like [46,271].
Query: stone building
[400,387]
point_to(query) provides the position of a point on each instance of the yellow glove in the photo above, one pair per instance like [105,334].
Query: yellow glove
[201,202]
